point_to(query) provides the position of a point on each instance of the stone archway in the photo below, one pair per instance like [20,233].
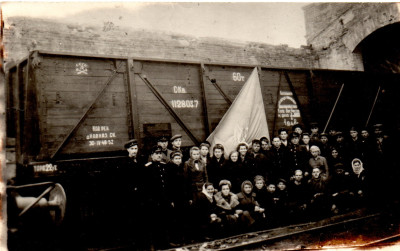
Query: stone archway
[380,50]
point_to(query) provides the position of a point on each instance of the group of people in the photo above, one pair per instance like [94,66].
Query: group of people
[195,195]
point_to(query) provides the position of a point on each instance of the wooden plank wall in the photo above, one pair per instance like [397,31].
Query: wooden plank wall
[230,79]
[179,84]
[66,85]
[66,91]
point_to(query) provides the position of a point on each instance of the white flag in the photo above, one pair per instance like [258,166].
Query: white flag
[245,119]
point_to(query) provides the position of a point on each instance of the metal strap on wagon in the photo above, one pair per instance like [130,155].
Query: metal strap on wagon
[169,108]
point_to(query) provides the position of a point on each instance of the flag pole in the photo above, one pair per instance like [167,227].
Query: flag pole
[333,109]
[373,106]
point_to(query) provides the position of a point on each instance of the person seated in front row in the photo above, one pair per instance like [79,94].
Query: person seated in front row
[298,195]
[249,205]
[339,187]
[358,180]
[260,190]
[317,187]
[227,207]
[209,223]
[282,195]
[272,205]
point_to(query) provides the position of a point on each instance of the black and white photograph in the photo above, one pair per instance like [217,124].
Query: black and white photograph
[199,126]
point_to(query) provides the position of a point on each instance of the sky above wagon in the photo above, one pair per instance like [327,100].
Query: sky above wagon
[271,23]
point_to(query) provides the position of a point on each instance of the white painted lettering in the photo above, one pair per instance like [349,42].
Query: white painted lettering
[45,168]
[179,89]
[236,76]
[185,103]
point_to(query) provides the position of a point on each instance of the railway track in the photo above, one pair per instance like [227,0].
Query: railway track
[253,239]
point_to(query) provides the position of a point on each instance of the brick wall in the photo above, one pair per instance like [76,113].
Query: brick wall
[335,29]
[22,35]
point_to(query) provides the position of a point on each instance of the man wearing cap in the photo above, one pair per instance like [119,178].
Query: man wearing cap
[128,190]
[130,172]
[314,136]
[378,129]
[176,142]
[332,135]
[325,146]
[297,128]
[341,145]
[297,153]
[165,152]
[158,199]
[354,144]
[179,195]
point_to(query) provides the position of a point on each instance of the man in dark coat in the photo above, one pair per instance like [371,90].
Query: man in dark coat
[163,143]
[158,200]
[297,153]
[354,144]
[215,169]
[278,158]
[179,196]
[127,191]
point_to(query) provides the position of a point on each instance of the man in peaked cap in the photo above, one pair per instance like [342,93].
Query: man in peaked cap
[340,144]
[297,153]
[130,143]
[354,144]
[314,136]
[325,145]
[176,142]
[378,129]
[163,143]
[158,198]
[298,129]
[126,183]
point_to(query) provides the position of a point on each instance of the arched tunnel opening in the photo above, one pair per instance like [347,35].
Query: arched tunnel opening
[381,58]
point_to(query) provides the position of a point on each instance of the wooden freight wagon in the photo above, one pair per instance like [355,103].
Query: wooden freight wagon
[69,116]
[63,107]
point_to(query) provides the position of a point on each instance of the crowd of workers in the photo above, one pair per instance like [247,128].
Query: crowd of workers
[181,196]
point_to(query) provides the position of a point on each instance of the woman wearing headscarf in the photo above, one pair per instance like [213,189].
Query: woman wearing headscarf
[208,221]
[358,180]
[248,204]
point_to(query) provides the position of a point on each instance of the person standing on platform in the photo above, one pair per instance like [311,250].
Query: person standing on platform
[158,200]
[128,193]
